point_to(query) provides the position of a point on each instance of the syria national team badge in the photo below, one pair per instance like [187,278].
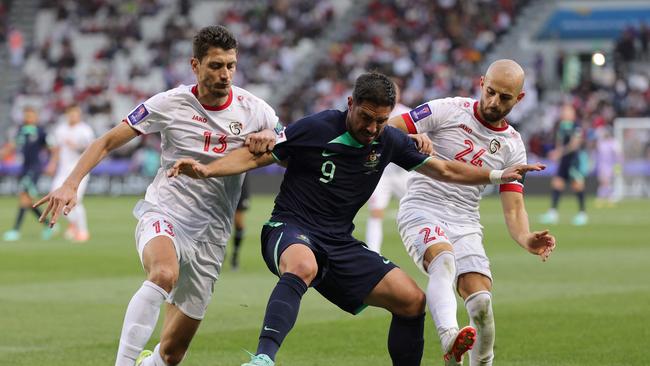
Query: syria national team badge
[235,127]
[494,146]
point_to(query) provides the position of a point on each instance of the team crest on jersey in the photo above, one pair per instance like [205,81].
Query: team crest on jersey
[236,127]
[372,161]
[138,115]
[494,146]
[420,112]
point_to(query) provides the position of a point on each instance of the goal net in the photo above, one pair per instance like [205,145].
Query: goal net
[633,136]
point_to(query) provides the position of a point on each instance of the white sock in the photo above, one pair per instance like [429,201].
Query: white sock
[441,298]
[479,309]
[374,233]
[155,359]
[81,222]
[139,322]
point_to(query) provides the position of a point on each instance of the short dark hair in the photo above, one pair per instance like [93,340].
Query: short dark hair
[375,88]
[212,36]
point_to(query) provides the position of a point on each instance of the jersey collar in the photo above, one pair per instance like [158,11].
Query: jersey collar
[488,125]
[214,108]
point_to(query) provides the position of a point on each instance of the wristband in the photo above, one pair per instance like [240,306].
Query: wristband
[495,176]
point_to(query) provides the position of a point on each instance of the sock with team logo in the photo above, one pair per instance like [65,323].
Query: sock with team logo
[139,322]
[441,298]
[281,313]
[374,233]
[406,340]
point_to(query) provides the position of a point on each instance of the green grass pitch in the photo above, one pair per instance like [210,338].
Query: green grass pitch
[63,303]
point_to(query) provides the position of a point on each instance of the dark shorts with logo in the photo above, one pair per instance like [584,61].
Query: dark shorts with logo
[573,167]
[28,182]
[347,269]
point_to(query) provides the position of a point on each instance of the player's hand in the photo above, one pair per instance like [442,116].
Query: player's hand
[261,142]
[62,199]
[517,172]
[423,143]
[541,243]
[189,167]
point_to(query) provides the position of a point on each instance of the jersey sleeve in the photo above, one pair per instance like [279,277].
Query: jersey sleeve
[518,156]
[289,137]
[428,116]
[151,116]
[405,153]
[267,117]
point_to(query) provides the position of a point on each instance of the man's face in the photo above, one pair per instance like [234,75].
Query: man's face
[30,117]
[366,121]
[497,99]
[215,71]
[74,115]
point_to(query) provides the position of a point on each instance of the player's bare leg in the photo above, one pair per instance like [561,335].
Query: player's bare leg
[161,264]
[475,289]
[400,295]
[178,331]
[440,264]
[298,268]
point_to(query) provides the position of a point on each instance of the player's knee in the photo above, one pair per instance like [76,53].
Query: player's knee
[414,303]
[163,277]
[304,269]
[479,308]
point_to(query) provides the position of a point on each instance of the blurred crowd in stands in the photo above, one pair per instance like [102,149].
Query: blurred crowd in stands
[108,55]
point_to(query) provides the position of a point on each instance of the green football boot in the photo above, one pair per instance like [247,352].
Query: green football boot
[144,354]
[259,360]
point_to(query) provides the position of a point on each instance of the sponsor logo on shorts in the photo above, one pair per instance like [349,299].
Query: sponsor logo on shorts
[303,237]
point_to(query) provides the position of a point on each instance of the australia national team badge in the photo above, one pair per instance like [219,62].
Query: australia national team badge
[494,146]
[420,112]
[372,160]
[235,128]
[138,115]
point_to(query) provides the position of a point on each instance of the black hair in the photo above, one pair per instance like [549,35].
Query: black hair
[212,36]
[375,88]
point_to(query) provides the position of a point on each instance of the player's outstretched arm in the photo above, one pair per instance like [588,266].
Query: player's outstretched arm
[540,243]
[462,173]
[236,162]
[65,197]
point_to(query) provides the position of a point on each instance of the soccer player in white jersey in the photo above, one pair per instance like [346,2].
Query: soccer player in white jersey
[392,183]
[184,224]
[439,222]
[69,140]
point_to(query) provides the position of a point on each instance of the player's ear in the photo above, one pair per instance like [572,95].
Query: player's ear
[349,102]
[482,81]
[194,62]
[520,96]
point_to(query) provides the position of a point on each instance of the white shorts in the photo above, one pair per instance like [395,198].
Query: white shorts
[421,228]
[199,263]
[391,183]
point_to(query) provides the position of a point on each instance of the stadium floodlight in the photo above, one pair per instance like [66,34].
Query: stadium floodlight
[598,59]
